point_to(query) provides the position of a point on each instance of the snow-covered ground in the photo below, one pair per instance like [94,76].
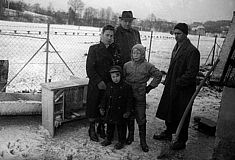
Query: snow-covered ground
[24,138]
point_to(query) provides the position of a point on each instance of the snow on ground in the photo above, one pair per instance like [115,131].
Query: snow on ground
[24,138]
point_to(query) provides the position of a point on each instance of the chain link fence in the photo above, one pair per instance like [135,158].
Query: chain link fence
[39,53]
[35,56]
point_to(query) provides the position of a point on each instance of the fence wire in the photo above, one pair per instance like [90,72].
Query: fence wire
[24,45]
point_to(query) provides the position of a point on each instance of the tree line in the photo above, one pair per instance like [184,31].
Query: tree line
[80,15]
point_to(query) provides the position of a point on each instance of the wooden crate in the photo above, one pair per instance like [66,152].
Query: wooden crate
[63,101]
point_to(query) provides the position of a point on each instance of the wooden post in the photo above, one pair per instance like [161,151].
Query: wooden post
[151,37]
[198,41]
[213,53]
[4,66]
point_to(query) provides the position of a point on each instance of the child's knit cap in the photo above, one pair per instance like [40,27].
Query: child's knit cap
[140,47]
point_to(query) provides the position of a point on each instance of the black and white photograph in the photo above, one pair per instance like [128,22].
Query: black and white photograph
[117,79]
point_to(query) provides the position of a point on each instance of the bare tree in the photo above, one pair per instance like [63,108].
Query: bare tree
[71,16]
[50,9]
[109,13]
[152,20]
[77,6]
[89,15]
[102,14]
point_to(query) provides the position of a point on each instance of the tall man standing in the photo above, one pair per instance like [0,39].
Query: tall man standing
[180,85]
[125,38]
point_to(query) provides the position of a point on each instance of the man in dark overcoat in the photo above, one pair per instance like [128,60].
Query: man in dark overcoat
[180,85]
[125,38]
[100,58]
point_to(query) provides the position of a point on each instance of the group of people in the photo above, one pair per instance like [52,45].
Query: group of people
[119,81]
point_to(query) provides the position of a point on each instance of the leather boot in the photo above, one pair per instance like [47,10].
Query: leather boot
[101,130]
[142,134]
[92,133]
[131,130]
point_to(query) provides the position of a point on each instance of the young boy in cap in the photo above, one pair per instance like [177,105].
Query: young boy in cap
[137,72]
[115,107]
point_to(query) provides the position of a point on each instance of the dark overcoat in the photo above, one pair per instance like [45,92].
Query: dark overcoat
[180,83]
[117,101]
[125,40]
[99,61]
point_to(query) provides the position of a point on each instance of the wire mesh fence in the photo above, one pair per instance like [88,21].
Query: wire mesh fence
[39,53]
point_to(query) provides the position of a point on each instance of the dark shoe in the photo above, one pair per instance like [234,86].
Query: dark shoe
[163,136]
[101,130]
[106,142]
[142,134]
[92,134]
[119,145]
[145,147]
[178,145]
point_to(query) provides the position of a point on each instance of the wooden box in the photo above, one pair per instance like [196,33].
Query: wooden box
[63,101]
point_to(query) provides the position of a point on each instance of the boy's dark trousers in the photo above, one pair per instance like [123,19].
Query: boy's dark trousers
[121,129]
[131,128]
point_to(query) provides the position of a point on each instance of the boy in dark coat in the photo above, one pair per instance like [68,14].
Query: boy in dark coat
[99,60]
[115,106]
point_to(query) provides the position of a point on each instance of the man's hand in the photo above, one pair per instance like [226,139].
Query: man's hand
[149,88]
[126,115]
[102,85]
[102,111]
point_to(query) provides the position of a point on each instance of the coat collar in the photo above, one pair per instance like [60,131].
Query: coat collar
[180,50]
[124,30]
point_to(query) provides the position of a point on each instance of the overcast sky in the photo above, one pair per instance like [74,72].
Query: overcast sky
[172,10]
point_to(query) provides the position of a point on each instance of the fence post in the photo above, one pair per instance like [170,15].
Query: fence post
[213,53]
[47,50]
[151,37]
[198,41]
[4,68]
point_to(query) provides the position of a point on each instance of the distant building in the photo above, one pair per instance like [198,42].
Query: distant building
[199,30]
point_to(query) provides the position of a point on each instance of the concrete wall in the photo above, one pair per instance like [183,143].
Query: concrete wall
[225,130]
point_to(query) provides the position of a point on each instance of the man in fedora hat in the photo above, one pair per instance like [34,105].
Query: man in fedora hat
[125,38]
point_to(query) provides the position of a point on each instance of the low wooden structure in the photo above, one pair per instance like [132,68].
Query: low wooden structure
[63,101]
[20,104]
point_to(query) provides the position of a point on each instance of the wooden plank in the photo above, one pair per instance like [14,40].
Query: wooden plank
[48,110]
[65,84]
[224,54]
[4,67]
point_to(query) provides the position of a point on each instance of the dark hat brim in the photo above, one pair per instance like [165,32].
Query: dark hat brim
[126,18]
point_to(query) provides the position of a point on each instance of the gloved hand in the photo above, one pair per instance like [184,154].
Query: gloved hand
[102,111]
[101,85]
[163,82]
[149,88]
[126,115]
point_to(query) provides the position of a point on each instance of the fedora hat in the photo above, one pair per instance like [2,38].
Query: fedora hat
[127,15]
